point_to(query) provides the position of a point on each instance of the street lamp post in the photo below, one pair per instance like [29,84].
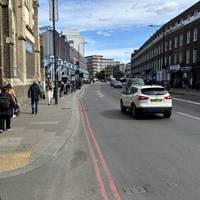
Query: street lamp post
[54,17]
[163,49]
[79,59]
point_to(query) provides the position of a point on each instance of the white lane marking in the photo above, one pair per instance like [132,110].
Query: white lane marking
[186,101]
[100,94]
[186,115]
[36,123]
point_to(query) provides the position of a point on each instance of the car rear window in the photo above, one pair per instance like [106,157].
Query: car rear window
[154,91]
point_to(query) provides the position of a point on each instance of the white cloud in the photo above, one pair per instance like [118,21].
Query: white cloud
[104,33]
[121,54]
[108,14]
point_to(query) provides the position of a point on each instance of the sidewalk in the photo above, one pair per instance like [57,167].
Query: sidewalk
[35,139]
[189,92]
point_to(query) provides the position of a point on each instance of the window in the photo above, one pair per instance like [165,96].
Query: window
[154,91]
[175,58]
[181,40]
[175,42]
[188,56]
[170,44]
[165,60]
[180,57]
[188,37]
[195,31]
[29,47]
[194,56]
[133,90]
[170,60]
[166,44]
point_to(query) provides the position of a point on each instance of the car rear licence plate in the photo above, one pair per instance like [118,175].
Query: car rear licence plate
[156,100]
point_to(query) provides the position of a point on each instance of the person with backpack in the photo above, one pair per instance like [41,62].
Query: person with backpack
[7,104]
[34,93]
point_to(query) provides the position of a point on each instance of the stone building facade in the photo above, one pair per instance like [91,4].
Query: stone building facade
[20,44]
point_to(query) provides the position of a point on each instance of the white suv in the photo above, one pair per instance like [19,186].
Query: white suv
[146,99]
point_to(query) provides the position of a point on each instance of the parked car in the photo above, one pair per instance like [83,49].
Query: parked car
[112,81]
[117,84]
[146,99]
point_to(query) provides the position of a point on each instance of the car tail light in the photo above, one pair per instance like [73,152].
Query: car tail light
[142,97]
[168,97]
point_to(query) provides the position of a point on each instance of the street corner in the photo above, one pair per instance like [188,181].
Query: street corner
[13,161]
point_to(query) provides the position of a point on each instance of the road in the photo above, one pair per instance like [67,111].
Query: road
[149,158]
[115,157]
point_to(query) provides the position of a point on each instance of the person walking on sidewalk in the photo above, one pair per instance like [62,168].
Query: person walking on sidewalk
[34,93]
[49,89]
[7,104]
[11,91]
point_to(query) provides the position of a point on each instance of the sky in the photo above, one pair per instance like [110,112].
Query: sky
[113,28]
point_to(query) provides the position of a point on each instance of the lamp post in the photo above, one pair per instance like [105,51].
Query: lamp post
[79,61]
[163,48]
[53,4]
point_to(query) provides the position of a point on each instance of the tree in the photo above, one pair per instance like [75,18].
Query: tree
[100,75]
[119,74]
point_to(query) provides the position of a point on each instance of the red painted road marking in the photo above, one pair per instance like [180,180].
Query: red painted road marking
[96,168]
[103,161]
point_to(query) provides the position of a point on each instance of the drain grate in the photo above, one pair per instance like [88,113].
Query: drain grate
[134,190]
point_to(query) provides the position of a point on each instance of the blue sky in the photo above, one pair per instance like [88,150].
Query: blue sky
[113,28]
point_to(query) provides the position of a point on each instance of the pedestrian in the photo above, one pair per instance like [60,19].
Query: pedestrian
[49,89]
[41,89]
[62,88]
[7,104]
[11,91]
[34,93]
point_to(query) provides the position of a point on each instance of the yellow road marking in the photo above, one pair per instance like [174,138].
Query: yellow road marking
[13,161]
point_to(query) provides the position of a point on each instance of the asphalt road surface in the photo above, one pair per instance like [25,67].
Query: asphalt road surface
[115,157]
[150,158]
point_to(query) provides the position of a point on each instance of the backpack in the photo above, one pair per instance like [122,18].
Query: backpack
[4,102]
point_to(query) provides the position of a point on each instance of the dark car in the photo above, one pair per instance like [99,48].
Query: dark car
[134,81]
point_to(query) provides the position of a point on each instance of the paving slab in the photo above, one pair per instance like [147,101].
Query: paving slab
[35,139]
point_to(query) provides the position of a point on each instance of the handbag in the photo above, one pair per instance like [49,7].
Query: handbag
[17,110]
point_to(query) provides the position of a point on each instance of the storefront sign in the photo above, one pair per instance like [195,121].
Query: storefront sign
[186,68]
[174,67]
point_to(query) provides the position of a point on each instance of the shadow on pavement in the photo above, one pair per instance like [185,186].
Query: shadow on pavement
[116,114]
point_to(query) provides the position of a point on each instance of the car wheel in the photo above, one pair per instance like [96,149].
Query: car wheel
[123,109]
[167,114]
[134,112]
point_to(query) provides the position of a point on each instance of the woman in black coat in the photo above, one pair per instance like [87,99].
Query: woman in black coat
[6,111]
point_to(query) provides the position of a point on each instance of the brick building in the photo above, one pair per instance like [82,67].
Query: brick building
[173,52]
[19,44]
